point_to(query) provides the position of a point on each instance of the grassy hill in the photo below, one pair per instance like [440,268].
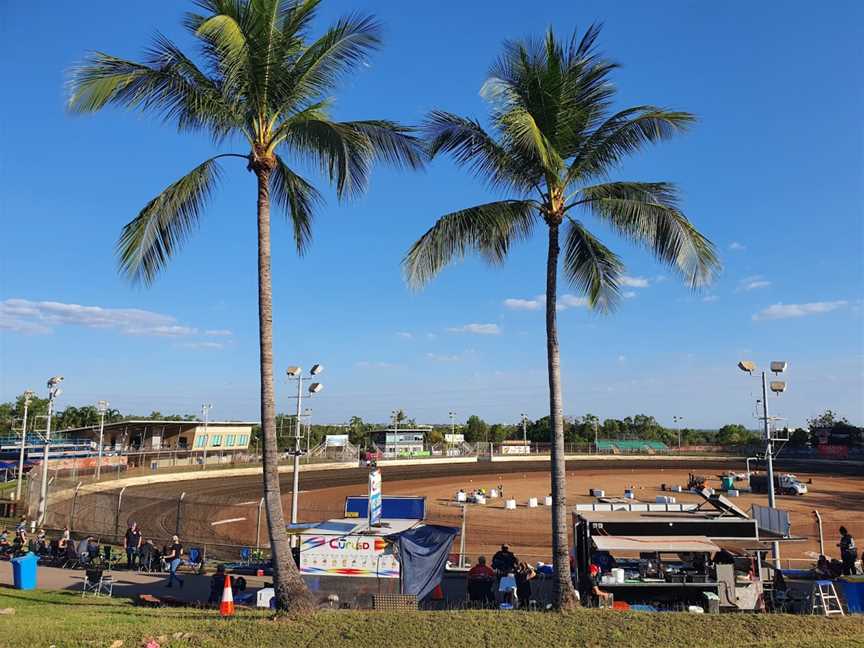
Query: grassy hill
[65,619]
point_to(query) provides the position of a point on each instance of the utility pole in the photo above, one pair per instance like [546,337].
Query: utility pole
[676,420]
[205,414]
[28,396]
[296,374]
[102,407]
[53,392]
[452,435]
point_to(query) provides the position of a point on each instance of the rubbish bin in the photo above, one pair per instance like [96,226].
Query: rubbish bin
[24,571]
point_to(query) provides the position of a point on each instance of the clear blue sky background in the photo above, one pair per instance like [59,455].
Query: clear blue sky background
[772,174]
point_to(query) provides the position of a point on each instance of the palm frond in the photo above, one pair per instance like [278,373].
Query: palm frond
[622,134]
[151,238]
[489,229]
[647,213]
[298,199]
[474,148]
[391,142]
[342,152]
[592,267]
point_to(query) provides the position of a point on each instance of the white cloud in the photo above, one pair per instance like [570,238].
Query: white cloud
[710,298]
[366,364]
[437,357]
[43,317]
[628,294]
[525,304]
[218,333]
[753,282]
[786,311]
[633,282]
[477,329]
[735,246]
[202,345]
[571,301]
[405,335]
[660,278]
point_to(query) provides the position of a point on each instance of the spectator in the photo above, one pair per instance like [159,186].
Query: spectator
[524,574]
[174,559]
[481,571]
[848,552]
[823,570]
[132,544]
[504,562]
[64,539]
[146,555]
[597,594]
[92,548]
[217,584]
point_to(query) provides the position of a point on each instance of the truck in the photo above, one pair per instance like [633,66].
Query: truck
[784,483]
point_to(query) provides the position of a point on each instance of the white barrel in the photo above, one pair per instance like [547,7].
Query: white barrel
[480,499]
[461,497]
[547,500]
[510,504]
[532,502]
[493,492]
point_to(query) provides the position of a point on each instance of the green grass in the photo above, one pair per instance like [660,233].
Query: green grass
[65,619]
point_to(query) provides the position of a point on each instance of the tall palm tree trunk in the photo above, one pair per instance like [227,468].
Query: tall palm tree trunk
[563,590]
[290,590]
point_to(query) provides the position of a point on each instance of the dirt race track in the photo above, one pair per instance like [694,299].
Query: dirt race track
[225,510]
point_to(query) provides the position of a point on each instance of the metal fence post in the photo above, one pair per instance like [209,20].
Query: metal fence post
[74,503]
[258,526]
[117,514]
[179,504]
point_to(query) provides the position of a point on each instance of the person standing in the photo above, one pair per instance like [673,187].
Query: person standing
[504,562]
[132,544]
[174,558]
[848,552]
[524,574]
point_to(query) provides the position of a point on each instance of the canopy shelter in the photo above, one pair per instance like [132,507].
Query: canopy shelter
[655,544]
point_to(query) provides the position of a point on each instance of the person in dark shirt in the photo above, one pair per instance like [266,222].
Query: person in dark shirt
[132,545]
[504,562]
[174,559]
[524,574]
[217,585]
[848,552]
[597,594]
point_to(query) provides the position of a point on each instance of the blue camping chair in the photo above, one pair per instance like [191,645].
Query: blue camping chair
[245,555]
[194,559]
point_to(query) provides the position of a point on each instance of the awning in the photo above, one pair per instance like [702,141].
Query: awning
[671,544]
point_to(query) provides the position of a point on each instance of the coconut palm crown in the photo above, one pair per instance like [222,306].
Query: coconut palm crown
[260,80]
[553,142]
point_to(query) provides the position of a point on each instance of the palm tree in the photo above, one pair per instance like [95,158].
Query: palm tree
[263,83]
[552,146]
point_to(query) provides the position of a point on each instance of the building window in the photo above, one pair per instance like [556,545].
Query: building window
[217,440]
[229,440]
[201,441]
[242,440]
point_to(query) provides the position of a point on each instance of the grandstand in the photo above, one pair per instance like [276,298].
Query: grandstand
[631,446]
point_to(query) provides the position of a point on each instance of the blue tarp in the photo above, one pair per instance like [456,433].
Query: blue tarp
[422,554]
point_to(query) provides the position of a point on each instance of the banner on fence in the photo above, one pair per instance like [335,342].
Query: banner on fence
[515,449]
[336,440]
[351,555]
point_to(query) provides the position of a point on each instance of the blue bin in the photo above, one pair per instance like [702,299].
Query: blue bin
[24,571]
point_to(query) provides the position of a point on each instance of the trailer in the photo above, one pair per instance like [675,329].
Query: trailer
[784,483]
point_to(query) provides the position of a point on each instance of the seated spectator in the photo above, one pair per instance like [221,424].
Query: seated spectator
[822,569]
[524,574]
[217,585]
[504,562]
[481,571]
[4,538]
[597,595]
[92,548]
[64,538]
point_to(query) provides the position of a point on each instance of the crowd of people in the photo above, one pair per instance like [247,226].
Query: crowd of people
[512,576]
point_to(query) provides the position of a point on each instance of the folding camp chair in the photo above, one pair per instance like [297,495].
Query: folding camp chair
[245,555]
[97,583]
[195,558]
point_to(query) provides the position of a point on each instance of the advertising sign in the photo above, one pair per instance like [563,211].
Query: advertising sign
[351,555]
[374,497]
[454,438]
[515,449]
[336,440]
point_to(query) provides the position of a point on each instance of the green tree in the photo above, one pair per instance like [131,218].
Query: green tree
[476,429]
[552,146]
[800,437]
[733,434]
[263,82]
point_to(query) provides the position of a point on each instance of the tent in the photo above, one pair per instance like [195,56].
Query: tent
[422,554]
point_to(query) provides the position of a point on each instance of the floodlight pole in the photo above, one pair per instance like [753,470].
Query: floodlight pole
[205,413]
[103,407]
[53,389]
[27,396]
[769,456]
[525,431]
[296,472]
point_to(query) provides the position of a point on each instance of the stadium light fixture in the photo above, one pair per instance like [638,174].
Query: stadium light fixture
[316,369]
[294,371]
[779,366]
[777,386]
[747,365]
[315,388]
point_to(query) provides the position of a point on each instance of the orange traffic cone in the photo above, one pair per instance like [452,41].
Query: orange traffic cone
[226,608]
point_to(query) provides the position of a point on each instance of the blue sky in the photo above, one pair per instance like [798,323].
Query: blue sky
[772,174]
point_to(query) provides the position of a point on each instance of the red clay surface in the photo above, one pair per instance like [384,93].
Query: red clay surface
[224,511]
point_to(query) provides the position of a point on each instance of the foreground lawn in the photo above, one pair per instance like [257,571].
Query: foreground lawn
[65,619]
